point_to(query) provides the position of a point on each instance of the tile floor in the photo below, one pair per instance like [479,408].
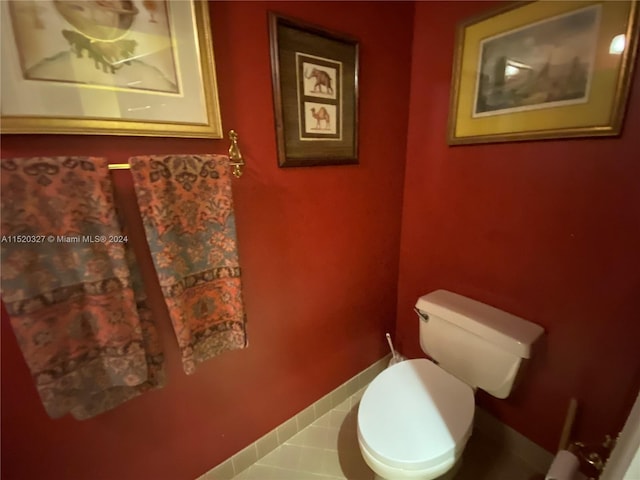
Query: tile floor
[328,450]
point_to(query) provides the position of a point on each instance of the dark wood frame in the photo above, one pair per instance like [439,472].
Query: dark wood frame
[285,35]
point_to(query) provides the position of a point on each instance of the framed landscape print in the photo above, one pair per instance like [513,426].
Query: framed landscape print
[315,91]
[541,70]
[131,67]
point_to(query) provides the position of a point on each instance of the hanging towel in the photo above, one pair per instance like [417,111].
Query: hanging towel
[66,285]
[114,396]
[187,211]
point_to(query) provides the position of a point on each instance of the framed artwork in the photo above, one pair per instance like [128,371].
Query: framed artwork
[541,70]
[315,93]
[126,67]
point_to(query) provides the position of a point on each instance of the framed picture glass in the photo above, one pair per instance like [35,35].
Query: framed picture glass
[131,67]
[315,91]
[543,69]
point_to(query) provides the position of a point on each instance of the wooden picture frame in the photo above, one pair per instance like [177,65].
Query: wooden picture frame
[315,93]
[540,70]
[145,68]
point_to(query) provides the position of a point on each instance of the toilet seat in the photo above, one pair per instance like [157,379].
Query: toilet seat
[415,416]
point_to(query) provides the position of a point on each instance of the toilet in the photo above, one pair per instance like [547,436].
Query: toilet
[416,417]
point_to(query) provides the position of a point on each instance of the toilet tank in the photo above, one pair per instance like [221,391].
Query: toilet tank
[479,344]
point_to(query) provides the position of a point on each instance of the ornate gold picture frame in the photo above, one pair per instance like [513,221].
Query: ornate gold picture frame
[315,93]
[543,70]
[124,68]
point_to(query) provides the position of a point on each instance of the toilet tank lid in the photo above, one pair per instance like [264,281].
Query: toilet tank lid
[512,333]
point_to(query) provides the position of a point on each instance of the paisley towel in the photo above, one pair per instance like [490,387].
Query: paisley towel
[187,210]
[67,287]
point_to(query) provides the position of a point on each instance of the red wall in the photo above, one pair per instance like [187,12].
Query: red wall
[319,251]
[549,231]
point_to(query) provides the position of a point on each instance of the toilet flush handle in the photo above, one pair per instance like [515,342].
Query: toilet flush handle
[423,316]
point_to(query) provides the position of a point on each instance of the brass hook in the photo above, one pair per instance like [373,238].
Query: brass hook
[235,156]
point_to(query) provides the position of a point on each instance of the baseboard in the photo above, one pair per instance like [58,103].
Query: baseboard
[532,454]
[279,435]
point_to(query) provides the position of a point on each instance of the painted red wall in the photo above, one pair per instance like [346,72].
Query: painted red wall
[319,250]
[547,230]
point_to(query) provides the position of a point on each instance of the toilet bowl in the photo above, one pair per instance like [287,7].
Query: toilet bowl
[414,421]
[415,418]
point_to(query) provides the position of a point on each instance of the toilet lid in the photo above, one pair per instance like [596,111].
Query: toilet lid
[414,415]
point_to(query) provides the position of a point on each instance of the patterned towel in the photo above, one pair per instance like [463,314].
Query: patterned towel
[187,210]
[67,287]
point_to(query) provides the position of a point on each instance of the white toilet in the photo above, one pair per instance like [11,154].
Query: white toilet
[415,418]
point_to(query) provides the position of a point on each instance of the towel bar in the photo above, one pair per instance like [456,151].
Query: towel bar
[236,160]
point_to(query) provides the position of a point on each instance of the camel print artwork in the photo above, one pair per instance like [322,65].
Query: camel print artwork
[319,97]
[320,118]
[315,92]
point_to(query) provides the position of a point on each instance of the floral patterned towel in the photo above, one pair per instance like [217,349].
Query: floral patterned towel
[187,210]
[87,338]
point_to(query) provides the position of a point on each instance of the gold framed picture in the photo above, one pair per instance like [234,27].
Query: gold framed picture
[315,93]
[132,67]
[543,70]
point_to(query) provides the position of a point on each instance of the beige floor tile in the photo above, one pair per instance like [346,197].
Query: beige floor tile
[354,468]
[304,437]
[484,460]
[323,421]
[328,450]
[310,460]
[285,456]
[333,439]
[355,398]
[266,472]
[331,435]
[350,421]
[336,417]
[319,437]
[352,464]
[331,464]
[344,406]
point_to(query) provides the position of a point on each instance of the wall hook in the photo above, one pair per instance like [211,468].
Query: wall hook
[235,156]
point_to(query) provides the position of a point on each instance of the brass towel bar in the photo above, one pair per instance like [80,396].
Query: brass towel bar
[236,160]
